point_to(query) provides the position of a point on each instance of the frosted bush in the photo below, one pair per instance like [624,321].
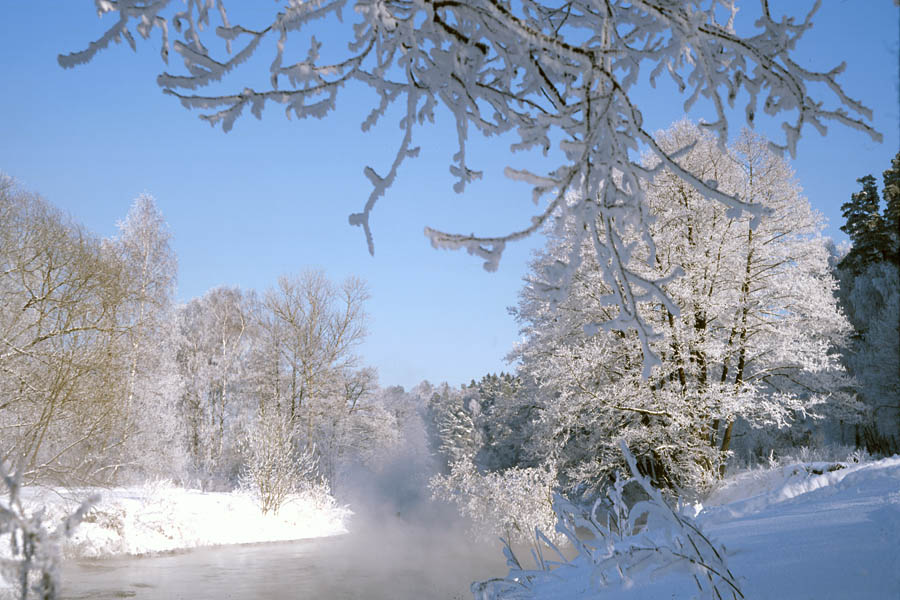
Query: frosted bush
[617,545]
[275,468]
[510,503]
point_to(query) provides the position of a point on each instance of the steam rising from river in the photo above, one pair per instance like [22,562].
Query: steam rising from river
[399,529]
[401,545]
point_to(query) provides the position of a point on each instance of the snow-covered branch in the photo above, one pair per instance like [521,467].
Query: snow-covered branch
[539,69]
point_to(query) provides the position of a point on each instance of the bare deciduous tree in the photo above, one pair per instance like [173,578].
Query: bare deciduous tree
[316,326]
[61,344]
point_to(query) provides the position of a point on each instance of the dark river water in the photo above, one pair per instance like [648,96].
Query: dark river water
[392,560]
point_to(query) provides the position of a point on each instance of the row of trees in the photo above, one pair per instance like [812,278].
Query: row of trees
[278,367]
[745,336]
[104,379]
[870,293]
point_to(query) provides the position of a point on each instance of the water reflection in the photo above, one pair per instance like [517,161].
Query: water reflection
[394,560]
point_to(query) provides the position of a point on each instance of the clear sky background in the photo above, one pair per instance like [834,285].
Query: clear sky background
[272,196]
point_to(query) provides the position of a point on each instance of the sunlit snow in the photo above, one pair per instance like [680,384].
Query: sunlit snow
[161,517]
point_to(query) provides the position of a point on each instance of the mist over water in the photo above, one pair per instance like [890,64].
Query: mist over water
[393,561]
[401,545]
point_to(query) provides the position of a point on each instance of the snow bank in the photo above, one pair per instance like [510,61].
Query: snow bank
[828,535]
[752,491]
[161,518]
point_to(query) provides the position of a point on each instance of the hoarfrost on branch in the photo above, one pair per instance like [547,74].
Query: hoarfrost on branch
[545,70]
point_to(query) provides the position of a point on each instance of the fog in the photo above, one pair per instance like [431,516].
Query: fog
[401,544]
[393,560]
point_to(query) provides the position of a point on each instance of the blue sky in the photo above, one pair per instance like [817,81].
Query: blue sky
[272,196]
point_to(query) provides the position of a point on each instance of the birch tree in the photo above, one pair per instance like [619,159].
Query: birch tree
[558,76]
[153,433]
[306,369]
[144,245]
[314,327]
[281,364]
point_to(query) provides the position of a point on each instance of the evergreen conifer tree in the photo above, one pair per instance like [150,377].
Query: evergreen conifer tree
[891,194]
[866,228]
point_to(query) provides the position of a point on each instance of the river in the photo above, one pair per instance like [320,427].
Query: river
[395,561]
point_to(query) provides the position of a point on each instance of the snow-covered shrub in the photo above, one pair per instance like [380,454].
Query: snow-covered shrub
[617,545]
[510,503]
[32,569]
[275,468]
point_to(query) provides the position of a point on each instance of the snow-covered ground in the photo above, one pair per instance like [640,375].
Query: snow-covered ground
[161,517]
[806,530]
[803,531]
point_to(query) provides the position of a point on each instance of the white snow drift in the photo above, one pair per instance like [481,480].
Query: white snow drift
[161,517]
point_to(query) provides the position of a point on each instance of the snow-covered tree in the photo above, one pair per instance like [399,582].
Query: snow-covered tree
[154,443]
[866,228]
[480,429]
[891,195]
[501,419]
[303,366]
[552,74]
[752,336]
[352,427]
[85,354]
[213,345]
[249,363]
[510,503]
[312,328]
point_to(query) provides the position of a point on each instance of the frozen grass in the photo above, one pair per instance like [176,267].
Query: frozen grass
[161,517]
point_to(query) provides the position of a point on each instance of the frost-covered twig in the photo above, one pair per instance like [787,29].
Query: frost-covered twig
[33,566]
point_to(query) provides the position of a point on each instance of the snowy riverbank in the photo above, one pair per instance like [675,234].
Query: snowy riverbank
[161,517]
[823,530]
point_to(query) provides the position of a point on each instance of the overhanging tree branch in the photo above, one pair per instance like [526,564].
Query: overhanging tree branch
[543,70]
